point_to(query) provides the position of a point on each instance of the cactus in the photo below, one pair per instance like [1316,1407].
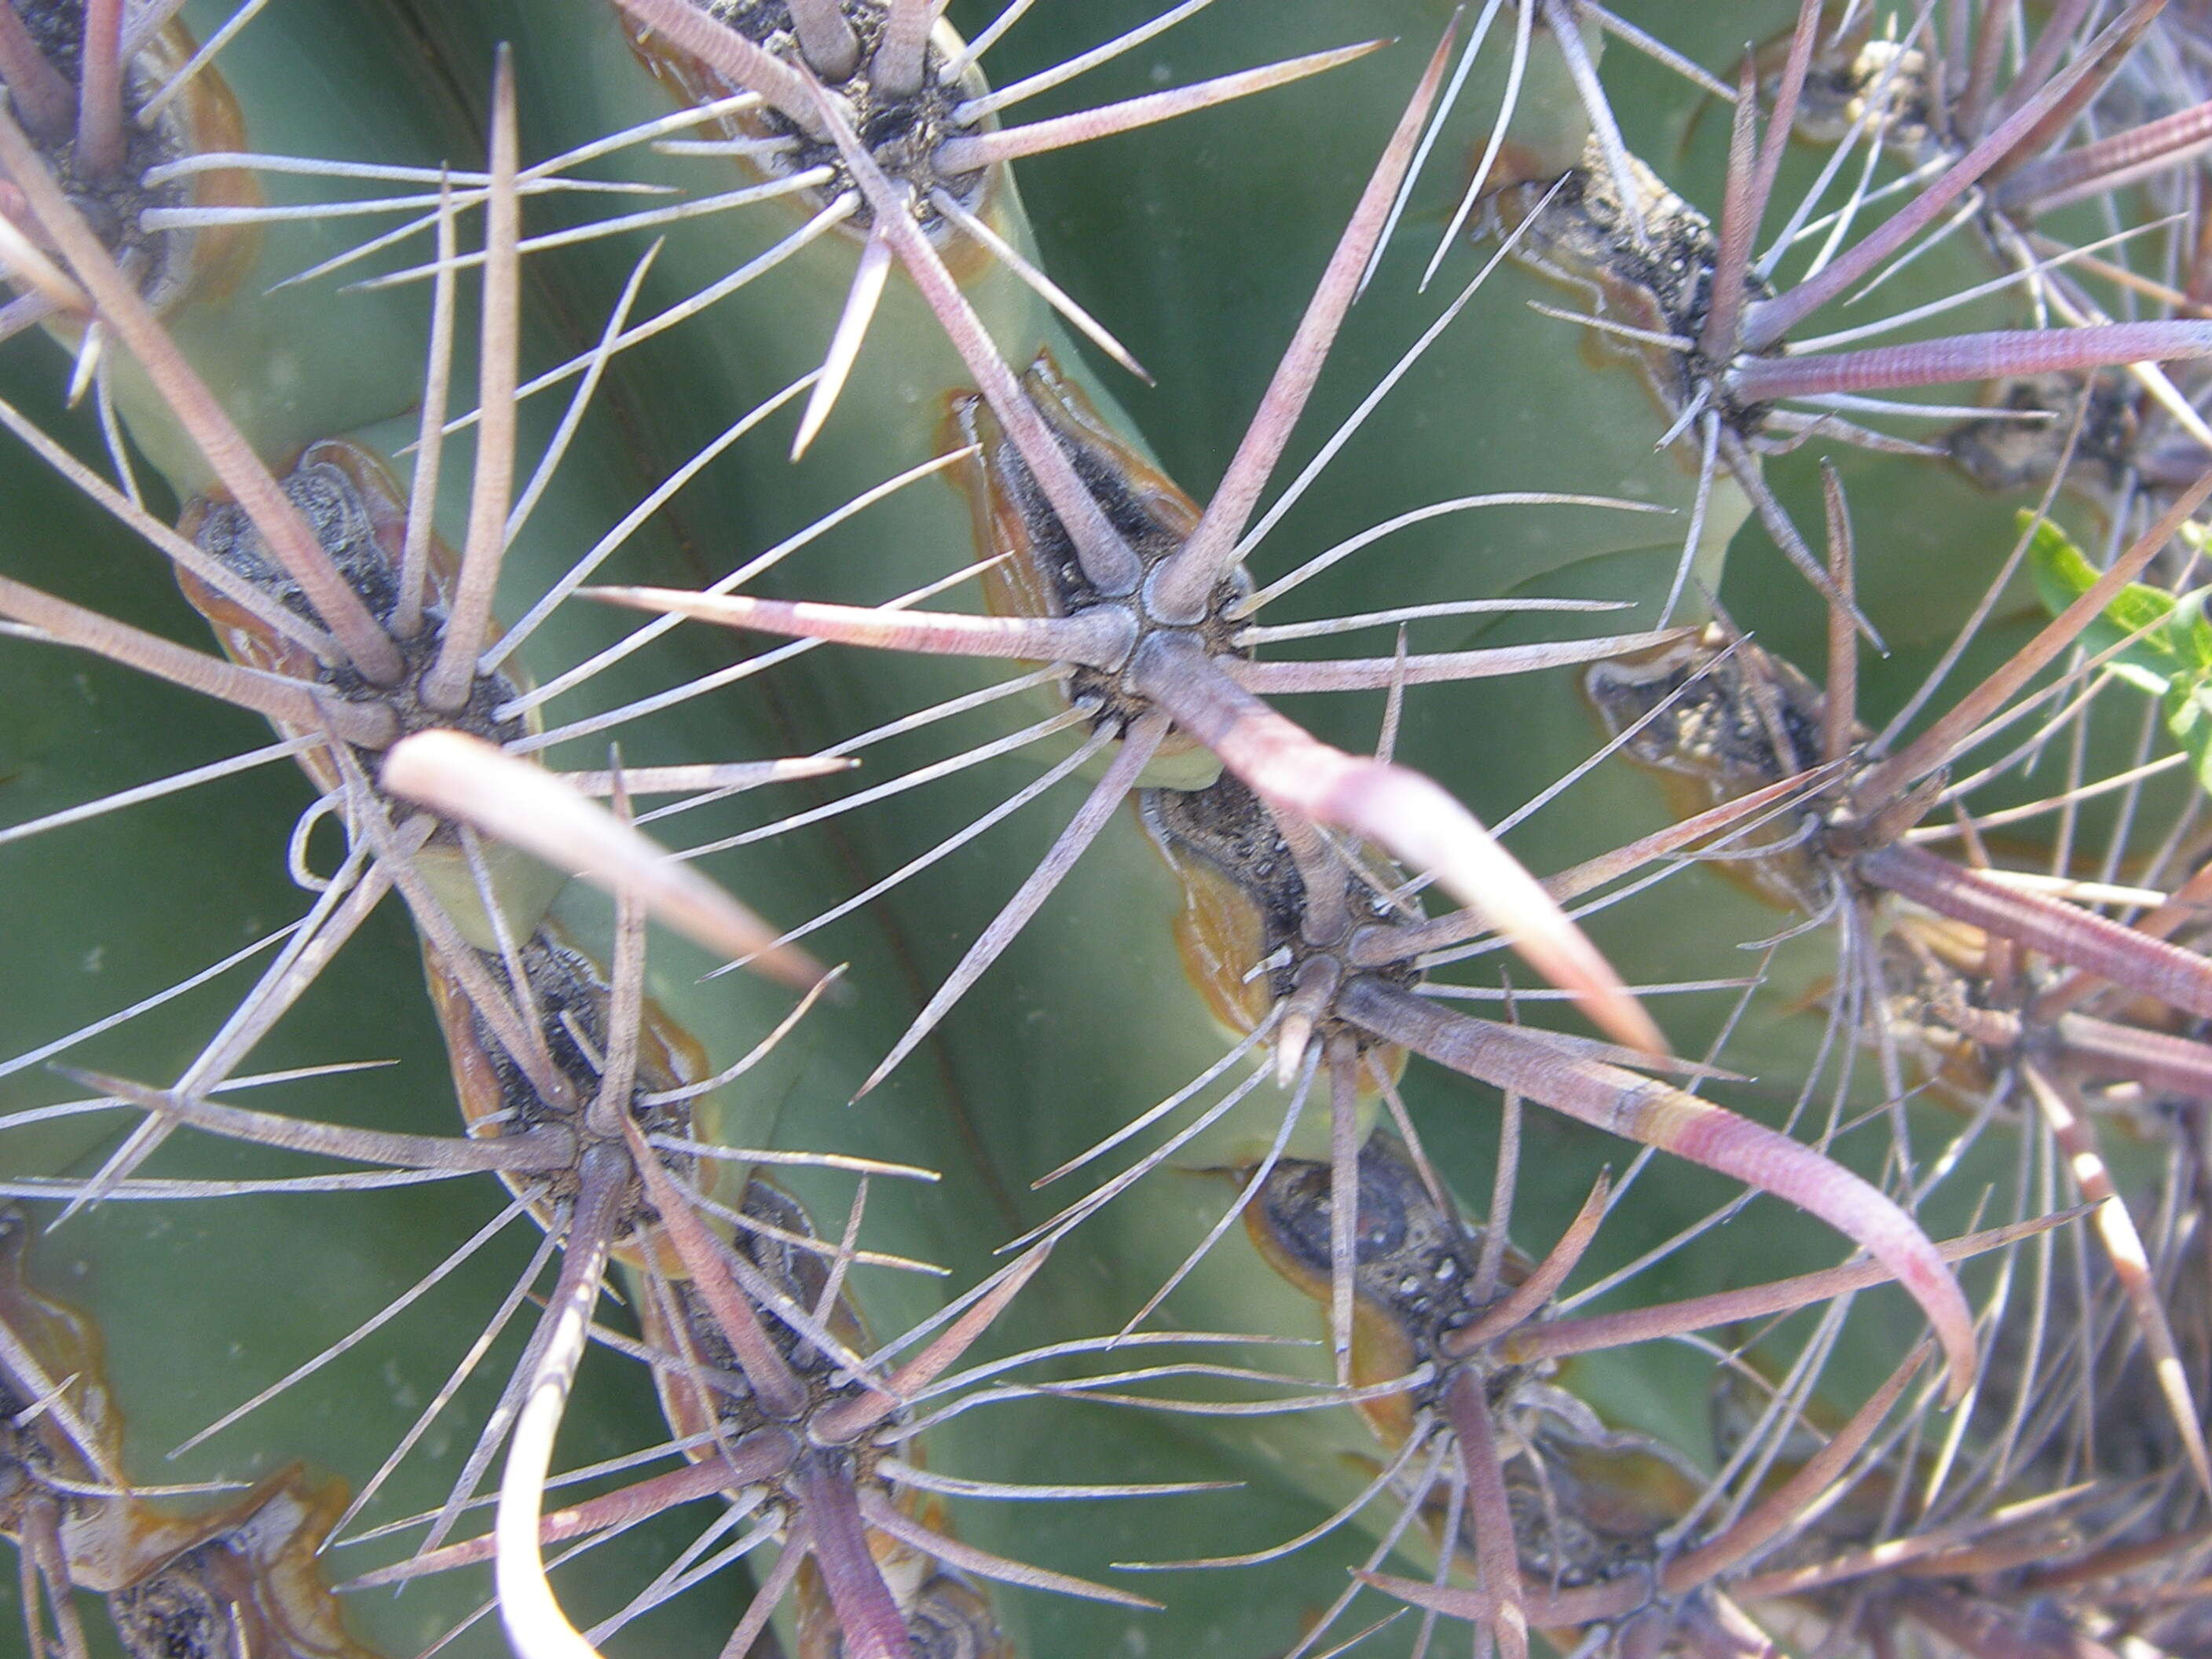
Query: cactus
[750,579]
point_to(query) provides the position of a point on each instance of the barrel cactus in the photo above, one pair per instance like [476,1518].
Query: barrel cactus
[708,977]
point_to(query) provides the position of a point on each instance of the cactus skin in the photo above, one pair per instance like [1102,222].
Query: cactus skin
[1197,250]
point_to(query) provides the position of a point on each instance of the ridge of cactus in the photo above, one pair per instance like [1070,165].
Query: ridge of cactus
[1664,1117]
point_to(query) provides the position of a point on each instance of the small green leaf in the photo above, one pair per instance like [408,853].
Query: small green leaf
[2194,634]
[2172,661]
[2155,659]
[2189,717]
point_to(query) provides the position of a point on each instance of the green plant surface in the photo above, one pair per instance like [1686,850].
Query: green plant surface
[1197,245]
